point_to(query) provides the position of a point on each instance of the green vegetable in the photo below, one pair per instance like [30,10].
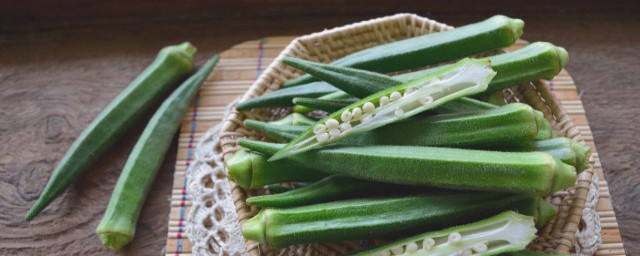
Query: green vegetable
[119,221]
[373,217]
[280,133]
[338,95]
[250,170]
[512,124]
[505,232]
[522,172]
[283,97]
[326,105]
[463,104]
[531,253]
[466,77]
[163,74]
[294,119]
[567,150]
[494,33]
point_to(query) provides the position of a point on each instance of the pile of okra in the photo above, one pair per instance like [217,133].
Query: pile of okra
[433,161]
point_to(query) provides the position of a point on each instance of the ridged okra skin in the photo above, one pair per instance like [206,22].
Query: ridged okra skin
[373,217]
[567,150]
[534,173]
[250,170]
[336,97]
[327,105]
[294,119]
[284,96]
[503,233]
[468,76]
[493,33]
[512,124]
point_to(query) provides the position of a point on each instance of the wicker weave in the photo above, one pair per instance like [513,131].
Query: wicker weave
[332,44]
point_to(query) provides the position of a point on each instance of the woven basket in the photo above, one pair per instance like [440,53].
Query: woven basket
[333,44]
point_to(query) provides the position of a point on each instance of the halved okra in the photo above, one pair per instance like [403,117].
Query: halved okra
[376,217]
[250,170]
[468,76]
[505,232]
[519,172]
[493,33]
[512,124]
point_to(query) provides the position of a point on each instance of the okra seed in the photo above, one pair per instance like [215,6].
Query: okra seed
[384,100]
[467,252]
[426,100]
[346,116]
[395,96]
[345,126]
[322,137]
[481,247]
[357,113]
[428,243]
[397,250]
[334,132]
[411,247]
[368,107]
[398,112]
[319,129]
[454,237]
[332,124]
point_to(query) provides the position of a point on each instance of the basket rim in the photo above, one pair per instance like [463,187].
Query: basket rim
[554,112]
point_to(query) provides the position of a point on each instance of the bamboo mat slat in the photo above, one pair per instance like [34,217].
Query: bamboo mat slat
[240,65]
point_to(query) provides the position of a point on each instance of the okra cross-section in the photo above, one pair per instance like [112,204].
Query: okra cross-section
[468,76]
[506,232]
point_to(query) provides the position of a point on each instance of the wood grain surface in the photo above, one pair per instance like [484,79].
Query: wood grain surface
[54,81]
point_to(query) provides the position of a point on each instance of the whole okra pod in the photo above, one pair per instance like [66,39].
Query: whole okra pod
[522,172]
[493,33]
[375,217]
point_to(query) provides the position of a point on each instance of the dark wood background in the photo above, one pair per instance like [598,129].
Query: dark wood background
[61,62]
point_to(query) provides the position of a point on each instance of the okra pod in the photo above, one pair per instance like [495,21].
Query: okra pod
[567,150]
[284,96]
[374,217]
[294,119]
[468,76]
[161,76]
[326,105]
[338,95]
[493,33]
[118,225]
[250,170]
[503,233]
[280,133]
[519,172]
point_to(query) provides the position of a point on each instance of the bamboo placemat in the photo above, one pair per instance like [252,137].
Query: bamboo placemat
[242,64]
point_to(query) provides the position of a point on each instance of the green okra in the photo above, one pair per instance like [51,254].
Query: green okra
[503,233]
[294,119]
[338,95]
[540,60]
[519,172]
[493,33]
[374,217]
[327,105]
[468,76]
[532,253]
[463,104]
[280,133]
[283,97]
[512,124]
[328,189]
[567,150]
[118,224]
[250,170]
[545,130]
[171,65]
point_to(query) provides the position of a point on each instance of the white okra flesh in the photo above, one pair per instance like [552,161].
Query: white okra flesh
[398,103]
[505,232]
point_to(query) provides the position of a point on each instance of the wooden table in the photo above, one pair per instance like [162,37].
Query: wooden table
[55,78]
